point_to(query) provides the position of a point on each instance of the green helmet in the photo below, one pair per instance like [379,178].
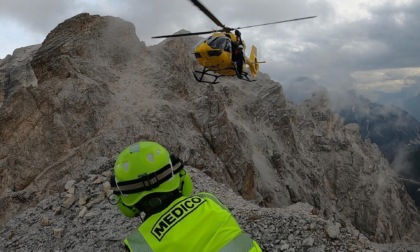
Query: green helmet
[145,168]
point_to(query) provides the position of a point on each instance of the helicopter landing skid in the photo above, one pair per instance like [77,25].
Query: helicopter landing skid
[203,73]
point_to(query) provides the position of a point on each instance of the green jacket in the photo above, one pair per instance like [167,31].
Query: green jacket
[199,223]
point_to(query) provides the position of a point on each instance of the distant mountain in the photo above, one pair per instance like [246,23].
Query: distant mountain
[412,106]
[408,99]
[395,131]
[414,157]
[413,188]
[301,89]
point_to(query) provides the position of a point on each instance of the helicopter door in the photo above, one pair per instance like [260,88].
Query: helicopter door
[228,46]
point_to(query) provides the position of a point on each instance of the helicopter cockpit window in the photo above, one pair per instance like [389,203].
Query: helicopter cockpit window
[220,43]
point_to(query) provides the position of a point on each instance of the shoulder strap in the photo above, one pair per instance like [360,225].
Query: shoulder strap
[210,196]
[240,243]
[136,243]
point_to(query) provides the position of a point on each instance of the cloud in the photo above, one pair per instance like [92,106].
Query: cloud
[346,37]
[388,80]
[396,26]
[38,16]
[384,39]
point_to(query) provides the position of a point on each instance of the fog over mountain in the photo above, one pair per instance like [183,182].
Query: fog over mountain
[296,176]
[408,99]
[395,131]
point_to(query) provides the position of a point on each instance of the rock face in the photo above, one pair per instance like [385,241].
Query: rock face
[394,130]
[98,89]
[92,223]
[16,72]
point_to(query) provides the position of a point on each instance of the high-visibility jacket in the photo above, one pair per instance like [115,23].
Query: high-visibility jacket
[199,223]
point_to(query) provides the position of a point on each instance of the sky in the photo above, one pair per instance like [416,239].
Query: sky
[361,44]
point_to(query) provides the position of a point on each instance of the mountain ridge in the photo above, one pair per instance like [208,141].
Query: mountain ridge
[91,101]
[394,130]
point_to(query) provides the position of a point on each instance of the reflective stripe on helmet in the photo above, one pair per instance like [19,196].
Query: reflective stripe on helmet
[146,182]
[240,243]
[137,243]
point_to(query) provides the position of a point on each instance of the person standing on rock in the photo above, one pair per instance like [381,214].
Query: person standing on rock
[150,182]
[240,60]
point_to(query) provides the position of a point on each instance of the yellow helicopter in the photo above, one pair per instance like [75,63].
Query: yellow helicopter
[223,53]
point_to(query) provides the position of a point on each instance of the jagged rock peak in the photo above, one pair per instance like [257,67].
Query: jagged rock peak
[16,72]
[86,40]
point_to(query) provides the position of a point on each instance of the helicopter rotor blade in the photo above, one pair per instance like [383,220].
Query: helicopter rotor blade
[207,12]
[184,34]
[278,22]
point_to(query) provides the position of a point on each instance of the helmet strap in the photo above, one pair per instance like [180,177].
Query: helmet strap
[156,202]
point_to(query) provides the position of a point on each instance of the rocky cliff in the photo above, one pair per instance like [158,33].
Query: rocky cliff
[93,88]
[394,130]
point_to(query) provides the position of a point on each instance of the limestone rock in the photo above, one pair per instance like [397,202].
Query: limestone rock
[98,180]
[58,232]
[104,227]
[333,230]
[57,210]
[93,88]
[69,184]
[71,190]
[107,174]
[83,212]
[69,201]
[83,200]
[16,72]
[45,221]
[308,242]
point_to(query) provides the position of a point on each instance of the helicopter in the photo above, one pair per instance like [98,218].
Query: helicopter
[217,54]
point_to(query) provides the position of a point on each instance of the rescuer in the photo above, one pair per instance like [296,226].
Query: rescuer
[150,182]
